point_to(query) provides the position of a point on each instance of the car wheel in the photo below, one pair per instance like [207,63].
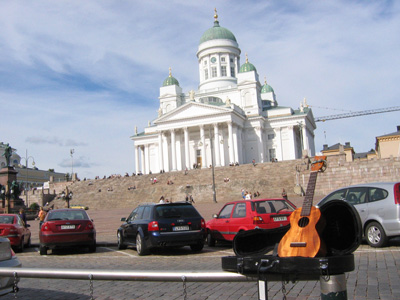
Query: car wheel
[376,236]
[197,247]
[43,250]
[210,240]
[92,248]
[20,248]
[120,241]
[140,245]
[29,243]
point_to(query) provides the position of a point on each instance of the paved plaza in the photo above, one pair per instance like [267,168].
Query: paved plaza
[376,275]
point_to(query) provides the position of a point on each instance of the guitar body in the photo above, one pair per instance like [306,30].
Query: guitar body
[302,239]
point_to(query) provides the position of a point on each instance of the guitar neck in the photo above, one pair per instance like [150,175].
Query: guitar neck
[308,200]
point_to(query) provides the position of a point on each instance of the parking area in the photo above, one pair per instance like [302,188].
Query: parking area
[376,275]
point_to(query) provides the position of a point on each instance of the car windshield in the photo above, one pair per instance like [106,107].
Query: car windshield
[275,206]
[6,219]
[176,211]
[67,215]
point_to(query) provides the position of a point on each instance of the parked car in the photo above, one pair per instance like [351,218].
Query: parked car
[68,227]
[378,205]
[162,225]
[13,228]
[8,259]
[248,214]
[78,206]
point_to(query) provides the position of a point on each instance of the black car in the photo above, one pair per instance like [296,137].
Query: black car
[162,225]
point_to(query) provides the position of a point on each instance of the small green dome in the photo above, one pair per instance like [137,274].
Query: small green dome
[247,67]
[170,80]
[266,89]
[217,33]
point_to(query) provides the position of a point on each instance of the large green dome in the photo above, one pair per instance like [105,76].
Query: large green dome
[266,88]
[170,80]
[217,33]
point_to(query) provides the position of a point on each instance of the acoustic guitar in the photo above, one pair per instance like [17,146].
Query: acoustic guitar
[303,239]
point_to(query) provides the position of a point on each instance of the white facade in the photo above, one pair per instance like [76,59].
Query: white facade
[231,118]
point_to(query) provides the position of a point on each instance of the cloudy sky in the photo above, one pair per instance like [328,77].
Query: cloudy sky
[82,74]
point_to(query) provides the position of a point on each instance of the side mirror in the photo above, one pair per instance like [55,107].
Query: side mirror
[28,225]
[123,219]
[215,216]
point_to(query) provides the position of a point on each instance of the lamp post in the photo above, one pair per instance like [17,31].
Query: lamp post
[72,151]
[26,174]
[67,196]
[212,136]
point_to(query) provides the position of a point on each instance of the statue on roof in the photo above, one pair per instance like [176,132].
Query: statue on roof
[191,95]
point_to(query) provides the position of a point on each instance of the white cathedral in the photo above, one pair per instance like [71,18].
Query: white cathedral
[230,119]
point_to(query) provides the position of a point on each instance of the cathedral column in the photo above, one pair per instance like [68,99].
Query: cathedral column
[137,159]
[230,143]
[173,149]
[203,147]
[147,159]
[260,144]
[217,146]
[306,146]
[143,160]
[235,144]
[186,135]
[160,151]
[240,145]
[166,165]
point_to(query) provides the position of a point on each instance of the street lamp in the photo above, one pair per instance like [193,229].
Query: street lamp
[212,136]
[67,196]
[26,174]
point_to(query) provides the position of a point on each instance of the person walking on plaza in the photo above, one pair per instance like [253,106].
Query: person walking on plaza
[23,216]
[41,216]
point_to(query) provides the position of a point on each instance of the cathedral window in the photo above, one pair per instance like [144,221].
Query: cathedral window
[232,71]
[213,72]
[206,74]
[223,59]
[223,70]
[205,62]
[271,136]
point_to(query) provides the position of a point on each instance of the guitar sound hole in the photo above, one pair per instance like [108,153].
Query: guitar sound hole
[303,222]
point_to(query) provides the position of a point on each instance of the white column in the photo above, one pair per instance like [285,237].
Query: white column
[160,151]
[216,146]
[186,134]
[235,144]
[203,148]
[230,143]
[173,150]
[147,159]
[305,140]
[143,159]
[261,144]
[166,153]
[240,145]
[137,167]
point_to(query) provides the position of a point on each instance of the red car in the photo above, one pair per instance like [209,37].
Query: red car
[13,228]
[246,215]
[66,228]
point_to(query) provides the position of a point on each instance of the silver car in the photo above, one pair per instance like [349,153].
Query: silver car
[7,260]
[378,205]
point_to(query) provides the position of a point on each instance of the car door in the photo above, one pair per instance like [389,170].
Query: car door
[131,225]
[239,220]
[220,226]
[358,196]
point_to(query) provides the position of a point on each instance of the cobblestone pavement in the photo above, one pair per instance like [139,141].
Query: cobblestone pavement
[376,275]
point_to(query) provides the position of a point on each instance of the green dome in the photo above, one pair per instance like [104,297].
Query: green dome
[170,80]
[266,89]
[247,67]
[217,33]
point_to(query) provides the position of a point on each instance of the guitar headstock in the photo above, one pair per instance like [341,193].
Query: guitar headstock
[319,163]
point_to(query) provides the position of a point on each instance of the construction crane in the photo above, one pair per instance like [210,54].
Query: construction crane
[356,114]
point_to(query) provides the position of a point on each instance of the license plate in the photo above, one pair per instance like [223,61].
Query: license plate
[276,219]
[67,226]
[180,228]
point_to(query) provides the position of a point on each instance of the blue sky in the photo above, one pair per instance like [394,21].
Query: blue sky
[82,74]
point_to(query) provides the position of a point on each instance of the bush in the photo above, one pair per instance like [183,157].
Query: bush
[34,206]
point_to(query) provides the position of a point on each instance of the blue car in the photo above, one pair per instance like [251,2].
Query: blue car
[162,225]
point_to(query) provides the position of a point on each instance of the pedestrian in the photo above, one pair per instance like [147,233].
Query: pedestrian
[284,194]
[41,216]
[23,216]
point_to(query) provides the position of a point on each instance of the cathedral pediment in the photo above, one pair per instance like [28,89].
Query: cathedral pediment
[192,110]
